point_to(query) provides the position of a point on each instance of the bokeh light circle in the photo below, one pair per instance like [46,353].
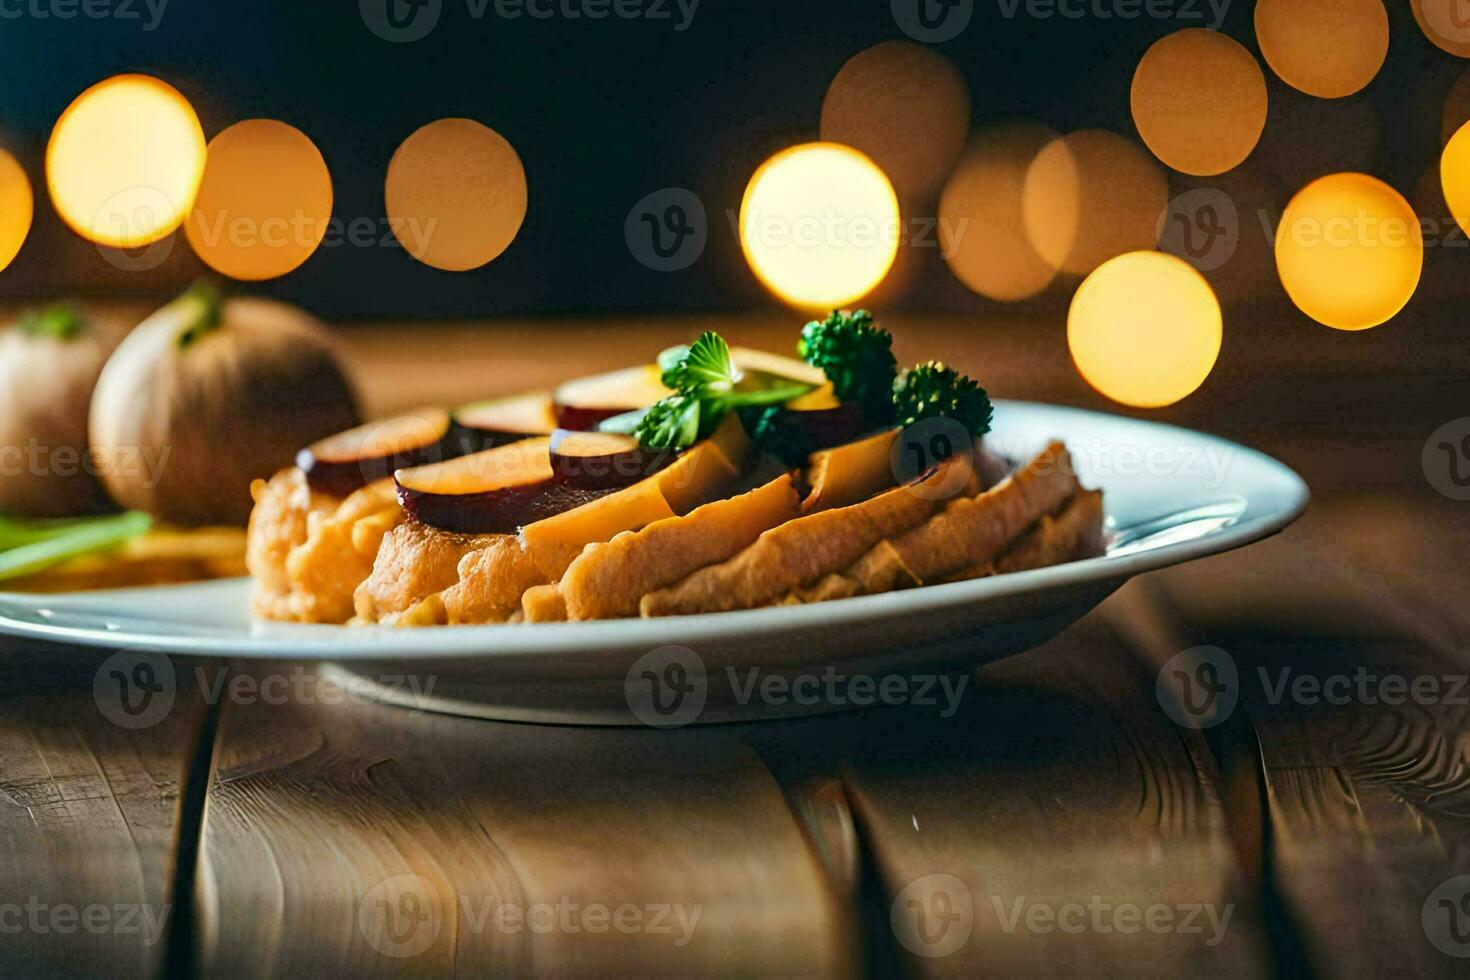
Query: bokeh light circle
[906,107]
[125,160]
[820,225]
[456,194]
[1454,177]
[1326,48]
[1445,23]
[264,203]
[981,226]
[1349,251]
[1145,329]
[1199,101]
[1089,196]
[17,206]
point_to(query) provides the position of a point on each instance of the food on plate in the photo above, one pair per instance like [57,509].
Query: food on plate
[49,363]
[487,424]
[308,550]
[123,551]
[721,479]
[341,463]
[209,394]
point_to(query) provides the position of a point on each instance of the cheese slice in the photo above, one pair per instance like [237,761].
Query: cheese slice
[850,473]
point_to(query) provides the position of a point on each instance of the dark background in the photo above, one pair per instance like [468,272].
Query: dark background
[604,112]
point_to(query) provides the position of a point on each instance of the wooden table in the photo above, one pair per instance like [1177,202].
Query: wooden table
[1059,821]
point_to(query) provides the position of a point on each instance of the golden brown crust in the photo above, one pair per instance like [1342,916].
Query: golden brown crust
[608,580]
[543,604]
[308,551]
[1074,533]
[971,530]
[802,551]
[413,563]
[490,581]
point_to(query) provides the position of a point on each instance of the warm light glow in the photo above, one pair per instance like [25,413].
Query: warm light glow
[1349,251]
[1445,24]
[1145,329]
[1326,48]
[820,225]
[1199,101]
[982,230]
[906,107]
[16,208]
[1454,177]
[1089,196]
[456,194]
[125,161]
[265,201]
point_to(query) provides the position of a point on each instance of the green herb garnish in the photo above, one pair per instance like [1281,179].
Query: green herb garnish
[857,357]
[27,547]
[707,386]
[932,390]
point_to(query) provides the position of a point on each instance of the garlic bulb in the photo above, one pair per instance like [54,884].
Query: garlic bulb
[207,395]
[49,363]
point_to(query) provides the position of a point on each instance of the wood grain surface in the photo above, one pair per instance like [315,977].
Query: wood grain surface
[91,798]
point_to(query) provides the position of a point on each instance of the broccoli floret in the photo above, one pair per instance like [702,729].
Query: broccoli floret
[857,357]
[932,390]
[673,423]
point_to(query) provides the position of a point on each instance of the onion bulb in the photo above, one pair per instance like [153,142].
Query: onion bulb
[49,363]
[207,395]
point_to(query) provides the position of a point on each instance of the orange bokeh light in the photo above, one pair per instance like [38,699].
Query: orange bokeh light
[1326,48]
[1145,329]
[17,206]
[456,194]
[906,107]
[1199,101]
[1349,251]
[125,161]
[1089,196]
[264,203]
[981,225]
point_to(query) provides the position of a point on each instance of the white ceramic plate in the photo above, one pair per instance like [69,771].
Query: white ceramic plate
[1212,495]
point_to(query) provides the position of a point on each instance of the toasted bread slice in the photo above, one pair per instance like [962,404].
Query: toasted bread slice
[802,551]
[608,580]
[973,530]
[1076,532]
